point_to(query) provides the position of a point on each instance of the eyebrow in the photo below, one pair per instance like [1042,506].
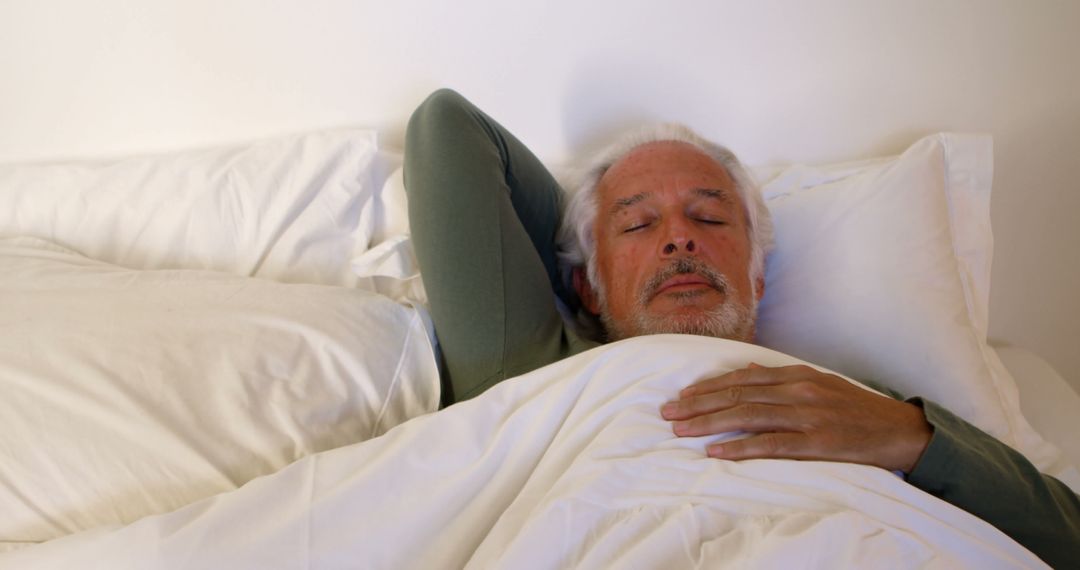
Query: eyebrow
[623,203]
[714,194]
[710,193]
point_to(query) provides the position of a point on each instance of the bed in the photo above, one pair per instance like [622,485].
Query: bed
[222,358]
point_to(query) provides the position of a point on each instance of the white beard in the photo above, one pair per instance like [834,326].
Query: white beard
[731,319]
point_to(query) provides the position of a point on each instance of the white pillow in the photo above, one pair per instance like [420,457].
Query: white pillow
[126,393]
[290,209]
[389,267]
[881,272]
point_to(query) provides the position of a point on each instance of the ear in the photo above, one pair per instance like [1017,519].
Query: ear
[760,287]
[585,290]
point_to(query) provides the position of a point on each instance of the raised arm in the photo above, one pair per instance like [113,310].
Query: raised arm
[483,212]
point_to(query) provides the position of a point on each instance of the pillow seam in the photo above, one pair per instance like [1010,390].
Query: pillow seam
[966,285]
[396,382]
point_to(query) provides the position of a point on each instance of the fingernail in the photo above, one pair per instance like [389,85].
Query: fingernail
[686,392]
[681,427]
[755,365]
[668,409]
[716,450]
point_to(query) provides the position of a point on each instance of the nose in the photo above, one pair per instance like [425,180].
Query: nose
[670,248]
[677,240]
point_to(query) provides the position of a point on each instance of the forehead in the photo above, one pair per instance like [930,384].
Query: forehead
[663,166]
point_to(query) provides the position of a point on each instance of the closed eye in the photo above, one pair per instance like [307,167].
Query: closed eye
[635,228]
[712,222]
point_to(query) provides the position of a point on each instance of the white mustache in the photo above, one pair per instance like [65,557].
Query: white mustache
[682,266]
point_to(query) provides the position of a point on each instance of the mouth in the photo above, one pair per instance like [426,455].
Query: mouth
[684,283]
[684,279]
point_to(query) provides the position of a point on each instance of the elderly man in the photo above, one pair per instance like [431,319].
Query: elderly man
[668,235]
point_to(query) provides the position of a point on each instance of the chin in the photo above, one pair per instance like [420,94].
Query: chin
[704,327]
[731,321]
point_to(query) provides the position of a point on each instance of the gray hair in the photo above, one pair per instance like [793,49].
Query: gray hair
[577,246]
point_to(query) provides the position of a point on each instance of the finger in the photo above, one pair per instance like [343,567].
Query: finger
[751,376]
[751,417]
[771,445]
[723,399]
[754,374]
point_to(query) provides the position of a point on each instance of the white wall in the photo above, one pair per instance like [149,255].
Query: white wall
[776,81]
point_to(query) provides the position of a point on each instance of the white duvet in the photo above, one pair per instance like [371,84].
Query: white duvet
[568,466]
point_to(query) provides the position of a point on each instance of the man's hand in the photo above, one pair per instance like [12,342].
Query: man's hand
[796,412]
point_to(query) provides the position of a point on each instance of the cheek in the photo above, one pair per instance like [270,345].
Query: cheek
[733,249]
[732,255]
[622,267]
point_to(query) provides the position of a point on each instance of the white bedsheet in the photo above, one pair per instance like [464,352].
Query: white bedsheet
[570,465]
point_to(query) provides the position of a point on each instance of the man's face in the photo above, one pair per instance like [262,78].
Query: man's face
[673,252]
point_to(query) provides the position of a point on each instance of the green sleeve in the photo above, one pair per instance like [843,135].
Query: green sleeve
[483,213]
[970,469]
